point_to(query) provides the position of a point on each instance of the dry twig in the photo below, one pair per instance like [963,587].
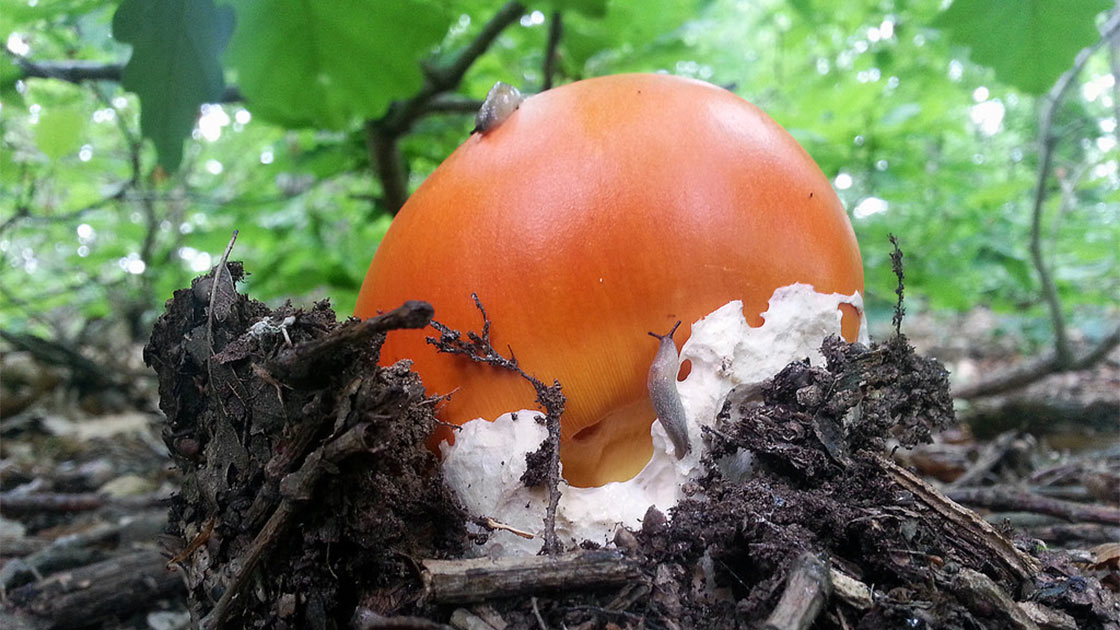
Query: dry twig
[997,498]
[808,589]
[478,348]
[482,579]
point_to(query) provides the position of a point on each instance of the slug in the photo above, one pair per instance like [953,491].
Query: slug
[662,383]
[502,100]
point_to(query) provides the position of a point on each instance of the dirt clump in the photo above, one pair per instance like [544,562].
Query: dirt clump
[307,491]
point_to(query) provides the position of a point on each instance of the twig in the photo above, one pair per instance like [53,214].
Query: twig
[1062,358]
[478,348]
[987,599]
[131,139]
[305,360]
[992,453]
[49,502]
[1074,533]
[896,267]
[99,592]
[997,498]
[366,619]
[215,281]
[850,590]
[463,619]
[492,525]
[71,71]
[551,542]
[452,104]
[807,591]
[482,579]
[382,134]
[25,215]
[1047,141]
[555,32]
[1068,185]
[84,71]
[76,550]
[57,503]
[537,614]
[200,539]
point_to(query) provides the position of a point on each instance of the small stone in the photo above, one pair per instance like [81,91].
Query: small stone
[625,540]
[654,522]
[809,396]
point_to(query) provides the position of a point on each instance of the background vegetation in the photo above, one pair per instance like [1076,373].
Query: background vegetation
[137,135]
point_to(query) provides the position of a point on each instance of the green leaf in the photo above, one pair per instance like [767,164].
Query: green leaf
[174,65]
[331,63]
[59,132]
[1029,43]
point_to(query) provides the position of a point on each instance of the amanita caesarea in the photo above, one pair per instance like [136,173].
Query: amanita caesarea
[587,216]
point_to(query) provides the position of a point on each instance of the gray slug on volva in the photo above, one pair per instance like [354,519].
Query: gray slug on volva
[662,383]
[502,100]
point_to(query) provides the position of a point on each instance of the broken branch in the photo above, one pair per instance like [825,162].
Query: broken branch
[481,579]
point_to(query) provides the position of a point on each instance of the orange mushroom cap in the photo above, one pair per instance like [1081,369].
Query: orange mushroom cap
[597,212]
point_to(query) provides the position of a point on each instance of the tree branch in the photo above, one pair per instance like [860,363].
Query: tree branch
[69,71]
[555,32]
[1030,372]
[403,114]
[388,164]
[82,71]
[1063,355]
[78,72]
[453,104]
[383,133]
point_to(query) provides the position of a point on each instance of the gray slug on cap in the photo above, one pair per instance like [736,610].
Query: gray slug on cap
[502,100]
[662,383]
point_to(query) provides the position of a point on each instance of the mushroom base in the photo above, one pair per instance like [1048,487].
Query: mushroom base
[484,466]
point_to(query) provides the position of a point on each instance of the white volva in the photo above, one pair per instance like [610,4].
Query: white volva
[485,465]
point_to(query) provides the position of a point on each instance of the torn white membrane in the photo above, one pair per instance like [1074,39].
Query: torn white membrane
[485,464]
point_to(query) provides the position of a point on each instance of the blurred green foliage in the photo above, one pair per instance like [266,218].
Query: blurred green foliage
[113,194]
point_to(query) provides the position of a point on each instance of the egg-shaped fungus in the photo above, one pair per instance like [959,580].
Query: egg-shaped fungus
[593,214]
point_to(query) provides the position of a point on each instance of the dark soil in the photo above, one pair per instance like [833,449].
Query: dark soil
[251,441]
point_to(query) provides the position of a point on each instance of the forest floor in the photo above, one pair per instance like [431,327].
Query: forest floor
[87,480]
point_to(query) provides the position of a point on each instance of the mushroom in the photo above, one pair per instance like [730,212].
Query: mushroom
[586,217]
